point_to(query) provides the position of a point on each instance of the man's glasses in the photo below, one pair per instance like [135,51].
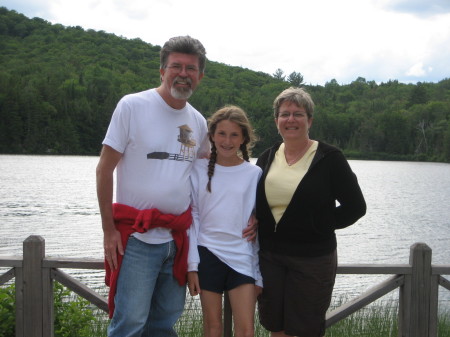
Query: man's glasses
[178,68]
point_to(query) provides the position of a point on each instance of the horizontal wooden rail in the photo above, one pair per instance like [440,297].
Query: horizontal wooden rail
[371,269]
[64,262]
[11,261]
[440,270]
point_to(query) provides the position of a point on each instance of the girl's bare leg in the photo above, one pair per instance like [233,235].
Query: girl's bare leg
[243,301]
[212,313]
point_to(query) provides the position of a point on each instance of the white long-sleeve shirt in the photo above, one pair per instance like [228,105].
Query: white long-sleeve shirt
[220,216]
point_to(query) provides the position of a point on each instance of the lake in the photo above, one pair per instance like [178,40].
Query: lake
[55,197]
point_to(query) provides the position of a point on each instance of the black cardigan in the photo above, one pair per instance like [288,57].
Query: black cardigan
[307,226]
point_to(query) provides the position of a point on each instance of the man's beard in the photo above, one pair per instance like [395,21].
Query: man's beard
[181,93]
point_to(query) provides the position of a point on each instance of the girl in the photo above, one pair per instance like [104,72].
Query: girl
[223,199]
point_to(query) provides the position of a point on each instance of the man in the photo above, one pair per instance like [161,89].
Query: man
[153,138]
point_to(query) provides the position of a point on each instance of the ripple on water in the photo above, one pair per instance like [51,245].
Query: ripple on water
[407,203]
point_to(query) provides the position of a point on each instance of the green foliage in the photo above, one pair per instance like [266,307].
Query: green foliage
[295,79]
[73,315]
[444,323]
[59,86]
[7,312]
[279,74]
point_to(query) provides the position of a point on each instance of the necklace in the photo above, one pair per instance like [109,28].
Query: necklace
[293,161]
[296,158]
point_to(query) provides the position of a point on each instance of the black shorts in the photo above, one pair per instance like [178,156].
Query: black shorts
[216,276]
[297,292]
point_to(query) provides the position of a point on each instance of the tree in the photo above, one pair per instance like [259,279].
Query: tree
[59,86]
[279,74]
[418,95]
[295,79]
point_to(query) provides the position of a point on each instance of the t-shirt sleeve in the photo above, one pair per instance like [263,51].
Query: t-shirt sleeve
[118,129]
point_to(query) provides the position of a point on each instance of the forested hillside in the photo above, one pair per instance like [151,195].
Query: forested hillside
[59,86]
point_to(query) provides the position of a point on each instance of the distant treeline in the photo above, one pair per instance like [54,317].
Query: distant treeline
[59,86]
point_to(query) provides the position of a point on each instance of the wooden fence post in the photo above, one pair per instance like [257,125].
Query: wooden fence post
[37,316]
[414,306]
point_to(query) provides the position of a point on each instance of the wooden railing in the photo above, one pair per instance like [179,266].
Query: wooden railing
[418,284]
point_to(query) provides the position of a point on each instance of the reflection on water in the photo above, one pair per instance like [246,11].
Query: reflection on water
[407,203]
[54,197]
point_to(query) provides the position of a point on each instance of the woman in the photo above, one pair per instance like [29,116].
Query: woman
[297,212]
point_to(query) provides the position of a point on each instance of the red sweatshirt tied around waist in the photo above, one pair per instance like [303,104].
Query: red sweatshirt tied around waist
[128,220]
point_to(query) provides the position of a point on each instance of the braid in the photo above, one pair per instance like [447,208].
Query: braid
[235,115]
[244,152]
[211,166]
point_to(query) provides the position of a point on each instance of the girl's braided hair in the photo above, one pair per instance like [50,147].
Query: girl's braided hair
[234,114]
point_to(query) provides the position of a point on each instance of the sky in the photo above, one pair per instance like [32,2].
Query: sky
[378,40]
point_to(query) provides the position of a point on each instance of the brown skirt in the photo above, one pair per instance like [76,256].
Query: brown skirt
[297,293]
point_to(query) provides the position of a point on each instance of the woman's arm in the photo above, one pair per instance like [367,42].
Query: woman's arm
[352,205]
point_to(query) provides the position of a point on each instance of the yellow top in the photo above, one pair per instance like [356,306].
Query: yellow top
[282,180]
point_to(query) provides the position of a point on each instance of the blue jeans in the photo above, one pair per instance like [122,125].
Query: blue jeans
[148,299]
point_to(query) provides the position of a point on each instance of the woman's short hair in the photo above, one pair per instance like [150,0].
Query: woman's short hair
[298,96]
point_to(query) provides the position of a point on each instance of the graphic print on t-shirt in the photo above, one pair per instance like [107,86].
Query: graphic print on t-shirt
[187,147]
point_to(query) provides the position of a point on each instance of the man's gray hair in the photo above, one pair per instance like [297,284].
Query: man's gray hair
[184,45]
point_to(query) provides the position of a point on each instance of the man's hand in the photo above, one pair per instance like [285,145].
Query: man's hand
[112,244]
[251,230]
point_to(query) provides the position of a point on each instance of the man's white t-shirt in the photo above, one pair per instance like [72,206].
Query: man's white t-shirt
[159,145]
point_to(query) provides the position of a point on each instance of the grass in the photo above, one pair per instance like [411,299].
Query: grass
[372,321]
[350,327]
[380,319]
[444,324]
[190,323]
[376,320]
